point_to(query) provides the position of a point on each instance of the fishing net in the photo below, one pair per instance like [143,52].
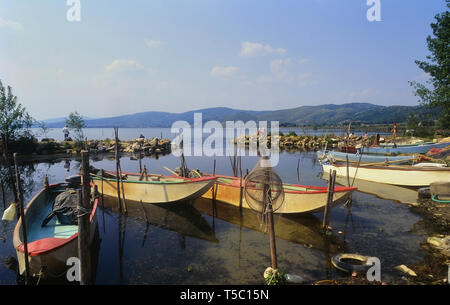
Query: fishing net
[263,188]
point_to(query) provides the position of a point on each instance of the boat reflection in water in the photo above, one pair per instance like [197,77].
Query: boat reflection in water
[179,217]
[303,229]
[407,195]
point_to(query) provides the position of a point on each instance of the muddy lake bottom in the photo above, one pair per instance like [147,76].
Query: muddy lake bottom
[186,243]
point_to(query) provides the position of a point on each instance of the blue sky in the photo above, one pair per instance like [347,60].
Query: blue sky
[133,56]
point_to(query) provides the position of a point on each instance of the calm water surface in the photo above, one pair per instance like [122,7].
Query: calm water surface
[186,243]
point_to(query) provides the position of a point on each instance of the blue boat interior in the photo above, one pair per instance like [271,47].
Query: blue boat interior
[38,211]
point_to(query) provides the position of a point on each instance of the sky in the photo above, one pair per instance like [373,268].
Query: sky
[132,56]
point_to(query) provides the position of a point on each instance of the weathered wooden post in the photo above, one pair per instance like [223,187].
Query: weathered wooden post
[348,170]
[23,222]
[273,246]
[46,184]
[140,157]
[102,173]
[3,195]
[84,202]
[331,184]
[10,173]
[267,202]
[241,190]
[213,189]
[116,136]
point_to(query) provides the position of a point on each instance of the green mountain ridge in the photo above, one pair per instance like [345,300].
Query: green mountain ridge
[328,114]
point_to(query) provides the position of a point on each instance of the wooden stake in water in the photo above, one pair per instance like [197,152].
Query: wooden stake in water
[84,208]
[348,170]
[331,184]
[140,157]
[273,247]
[116,136]
[46,184]
[23,222]
[10,173]
[241,190]
[3,195]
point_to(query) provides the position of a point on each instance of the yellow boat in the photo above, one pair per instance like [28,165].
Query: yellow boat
[297,198]
[158,188]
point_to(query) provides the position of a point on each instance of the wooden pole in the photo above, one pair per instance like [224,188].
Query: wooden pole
[46,184]
[23,222]
[116,136]
[3,195]
[140,156]
[241,190]
[348,170]
[123,192]
[102,173]
[331,184]
[213,189]
[84,208]
[10,172]
[273,247]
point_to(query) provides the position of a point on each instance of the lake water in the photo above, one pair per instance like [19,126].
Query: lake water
[186,243]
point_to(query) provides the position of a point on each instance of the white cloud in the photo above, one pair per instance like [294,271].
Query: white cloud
[10,24]
[218,71]
[280,69]
[254,48]
[124,65]
[153,44]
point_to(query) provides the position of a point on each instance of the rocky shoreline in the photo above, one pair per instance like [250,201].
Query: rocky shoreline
[147,147]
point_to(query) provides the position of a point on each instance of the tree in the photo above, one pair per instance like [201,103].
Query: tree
[14,127]
[412,121]
[43,129]
[76,123]
[437,93]
[14,119]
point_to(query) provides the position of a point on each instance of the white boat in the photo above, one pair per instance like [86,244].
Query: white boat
[406,175]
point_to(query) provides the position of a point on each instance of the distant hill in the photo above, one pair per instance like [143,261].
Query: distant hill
[304,115]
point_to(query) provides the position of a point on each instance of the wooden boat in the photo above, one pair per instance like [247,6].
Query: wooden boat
[403,144]
[50,246]
[406,175]
[303,229]
[407,195]
[182,217]
[298,198]
[158,188]
[415,149]
[340,156]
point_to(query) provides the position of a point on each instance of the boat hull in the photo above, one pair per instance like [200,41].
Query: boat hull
[154,192]
[396,175]
[417,149]
[47,257]
[397,193]
[294,202]
[339,156]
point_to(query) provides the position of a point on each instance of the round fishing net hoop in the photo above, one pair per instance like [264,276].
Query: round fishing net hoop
[263,188]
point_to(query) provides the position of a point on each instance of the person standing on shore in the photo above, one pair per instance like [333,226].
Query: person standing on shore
[394,130]
[65,131]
